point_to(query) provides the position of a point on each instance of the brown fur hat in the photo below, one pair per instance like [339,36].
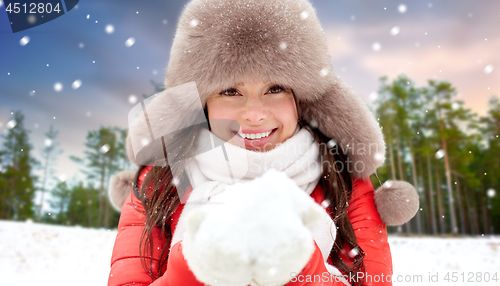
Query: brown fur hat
[220,43]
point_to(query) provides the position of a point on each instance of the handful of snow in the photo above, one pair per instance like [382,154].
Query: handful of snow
[252,233]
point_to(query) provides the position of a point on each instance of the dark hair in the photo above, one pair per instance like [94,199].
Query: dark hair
[336,183]
[160,199]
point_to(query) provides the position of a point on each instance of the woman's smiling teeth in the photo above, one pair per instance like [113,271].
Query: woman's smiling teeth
[255,135]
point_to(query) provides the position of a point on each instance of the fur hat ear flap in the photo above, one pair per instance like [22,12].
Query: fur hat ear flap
[397,202]
[340,114]
[120,187]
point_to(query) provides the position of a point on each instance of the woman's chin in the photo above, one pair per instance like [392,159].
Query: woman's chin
[265,148]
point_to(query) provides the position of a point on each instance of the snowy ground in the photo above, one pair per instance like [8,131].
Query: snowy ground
[37,254]
[467,261]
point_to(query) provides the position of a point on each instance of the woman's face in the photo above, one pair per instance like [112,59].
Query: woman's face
[266,115]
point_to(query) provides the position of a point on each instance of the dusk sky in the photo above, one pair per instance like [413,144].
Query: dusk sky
[453,40]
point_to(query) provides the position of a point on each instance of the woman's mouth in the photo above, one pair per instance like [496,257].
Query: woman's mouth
[252,136]
[258,141]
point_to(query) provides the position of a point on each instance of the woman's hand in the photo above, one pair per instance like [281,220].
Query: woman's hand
[252,233]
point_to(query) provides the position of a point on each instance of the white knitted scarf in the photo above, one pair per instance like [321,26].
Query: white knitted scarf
[298,157]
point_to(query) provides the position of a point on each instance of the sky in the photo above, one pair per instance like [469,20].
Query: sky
[80,72]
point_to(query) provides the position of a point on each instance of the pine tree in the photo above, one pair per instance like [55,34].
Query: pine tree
[83,206]
[491,131]
[49,153]
[103,157]
[397,113]
[17,180]
[60,200]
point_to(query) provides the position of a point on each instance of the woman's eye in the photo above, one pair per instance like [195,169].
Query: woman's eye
[230,92]
[276,89]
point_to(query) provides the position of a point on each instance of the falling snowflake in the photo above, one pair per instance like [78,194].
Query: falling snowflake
[81,45]
[388,184]
[354,252]
[488,69]
[11,124]
[58,86]
[331,143]
[109,29]
[283,45]
[455,105]
[439,154]
[132,99]
[24,41]
[62,178]
[194,23]
[324,72]
[272,271]
[313,123]
[379,156]
[32,19]
[130,42]
[48,142]
[491,193]
[325,203]
[376,46]
[304,15]
[395,31]
[402,8]
[76,84]
[373,96]
[104,149]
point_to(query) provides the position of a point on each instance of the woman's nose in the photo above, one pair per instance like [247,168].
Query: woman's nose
[255,109]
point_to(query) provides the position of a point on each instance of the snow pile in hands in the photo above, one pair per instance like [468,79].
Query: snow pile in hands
[252,232]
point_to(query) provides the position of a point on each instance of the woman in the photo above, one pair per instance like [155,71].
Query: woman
[259,71]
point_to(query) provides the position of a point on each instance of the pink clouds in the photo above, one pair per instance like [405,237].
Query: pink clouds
[455,48]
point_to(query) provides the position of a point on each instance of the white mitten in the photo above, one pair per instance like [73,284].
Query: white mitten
[252,233]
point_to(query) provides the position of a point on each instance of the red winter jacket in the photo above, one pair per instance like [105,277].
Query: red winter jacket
[371,234]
